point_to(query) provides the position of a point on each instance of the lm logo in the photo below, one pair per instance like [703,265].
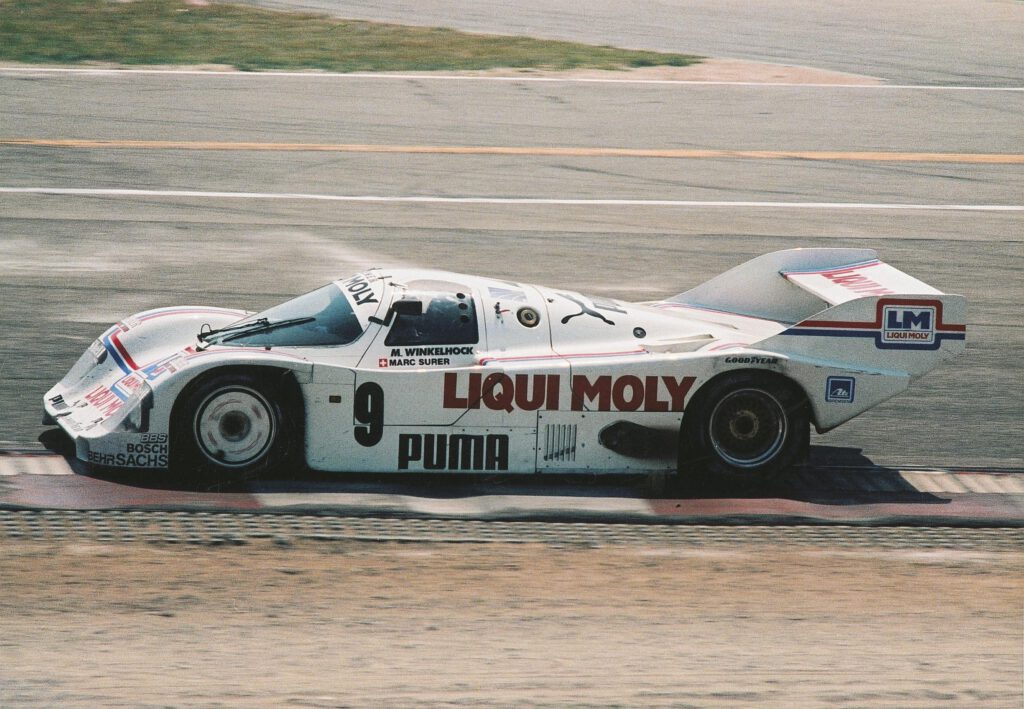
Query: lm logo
[908,324]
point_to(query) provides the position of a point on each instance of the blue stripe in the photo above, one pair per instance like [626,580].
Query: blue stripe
[831,333]
[877,336]
[858,264]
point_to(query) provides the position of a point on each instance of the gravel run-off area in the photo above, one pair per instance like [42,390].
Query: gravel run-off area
[347,623]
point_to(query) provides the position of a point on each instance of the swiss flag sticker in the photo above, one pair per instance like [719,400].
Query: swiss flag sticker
[382,362]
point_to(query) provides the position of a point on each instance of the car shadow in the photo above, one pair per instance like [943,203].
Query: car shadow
[831,476]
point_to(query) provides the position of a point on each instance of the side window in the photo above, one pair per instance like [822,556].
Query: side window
[447,319]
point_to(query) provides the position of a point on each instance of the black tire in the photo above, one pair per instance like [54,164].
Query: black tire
[744,430]
[231,427]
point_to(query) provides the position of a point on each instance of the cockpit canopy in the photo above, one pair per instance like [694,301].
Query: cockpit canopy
[447,315]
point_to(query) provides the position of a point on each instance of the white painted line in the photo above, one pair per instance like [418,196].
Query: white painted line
[1013,485]
[951,484]
[961,483]
[973,483]
[60,466]
[979,483]
[34,465]
[567,201]
[247,75]
[922,482]
[10,467]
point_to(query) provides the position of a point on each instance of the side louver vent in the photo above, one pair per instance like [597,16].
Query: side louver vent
[560,442]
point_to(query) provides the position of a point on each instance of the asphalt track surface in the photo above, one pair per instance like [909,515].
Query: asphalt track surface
[121,191]
[947,42]
[98,229]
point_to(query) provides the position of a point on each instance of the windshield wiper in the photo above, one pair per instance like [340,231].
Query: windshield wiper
[264,325]
[204,336]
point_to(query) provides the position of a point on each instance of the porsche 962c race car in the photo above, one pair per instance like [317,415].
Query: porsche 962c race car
[417,370]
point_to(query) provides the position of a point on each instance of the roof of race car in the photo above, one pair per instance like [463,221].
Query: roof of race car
[575,319]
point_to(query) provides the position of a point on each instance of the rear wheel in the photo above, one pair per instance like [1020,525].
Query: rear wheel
[232,427]
[745,429]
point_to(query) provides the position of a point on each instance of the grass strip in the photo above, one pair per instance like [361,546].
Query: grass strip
[176,32]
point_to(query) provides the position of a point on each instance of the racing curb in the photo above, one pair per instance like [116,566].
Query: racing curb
[235,529]
[820,497]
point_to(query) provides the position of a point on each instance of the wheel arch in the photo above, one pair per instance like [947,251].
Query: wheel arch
[703,391]
[689,430]
[282,379]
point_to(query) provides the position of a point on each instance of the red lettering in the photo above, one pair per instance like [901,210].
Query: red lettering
[636,393]
[99,396]
[651,400]
[498,392]
[474,390]
[677,390]
[583,390]
[857,282]
[105,401]
[525,392]
[451,399]
[524,399]
[554,386]
[850,280]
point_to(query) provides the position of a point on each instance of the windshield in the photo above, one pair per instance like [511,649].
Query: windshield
[322,317]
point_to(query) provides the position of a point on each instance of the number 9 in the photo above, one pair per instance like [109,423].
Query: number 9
[369,409]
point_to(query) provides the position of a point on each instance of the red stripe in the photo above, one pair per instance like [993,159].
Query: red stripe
[484,360]
[122,351]
[837,324]
[193,311]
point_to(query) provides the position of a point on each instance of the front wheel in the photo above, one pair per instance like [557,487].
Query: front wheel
[232,427]
[745,429]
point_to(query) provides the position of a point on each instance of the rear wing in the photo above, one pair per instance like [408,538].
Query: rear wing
[841,307]
[790,286]
[838,285]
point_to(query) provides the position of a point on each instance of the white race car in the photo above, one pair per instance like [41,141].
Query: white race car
[417,370]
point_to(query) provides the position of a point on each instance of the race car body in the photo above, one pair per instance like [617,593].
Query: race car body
[418,370]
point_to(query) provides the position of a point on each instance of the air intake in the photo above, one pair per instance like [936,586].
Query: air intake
[560,442]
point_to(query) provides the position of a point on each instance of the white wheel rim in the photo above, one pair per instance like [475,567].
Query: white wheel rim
[748,428]
[234,426]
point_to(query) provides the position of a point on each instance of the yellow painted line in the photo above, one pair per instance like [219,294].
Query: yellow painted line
[581,152]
